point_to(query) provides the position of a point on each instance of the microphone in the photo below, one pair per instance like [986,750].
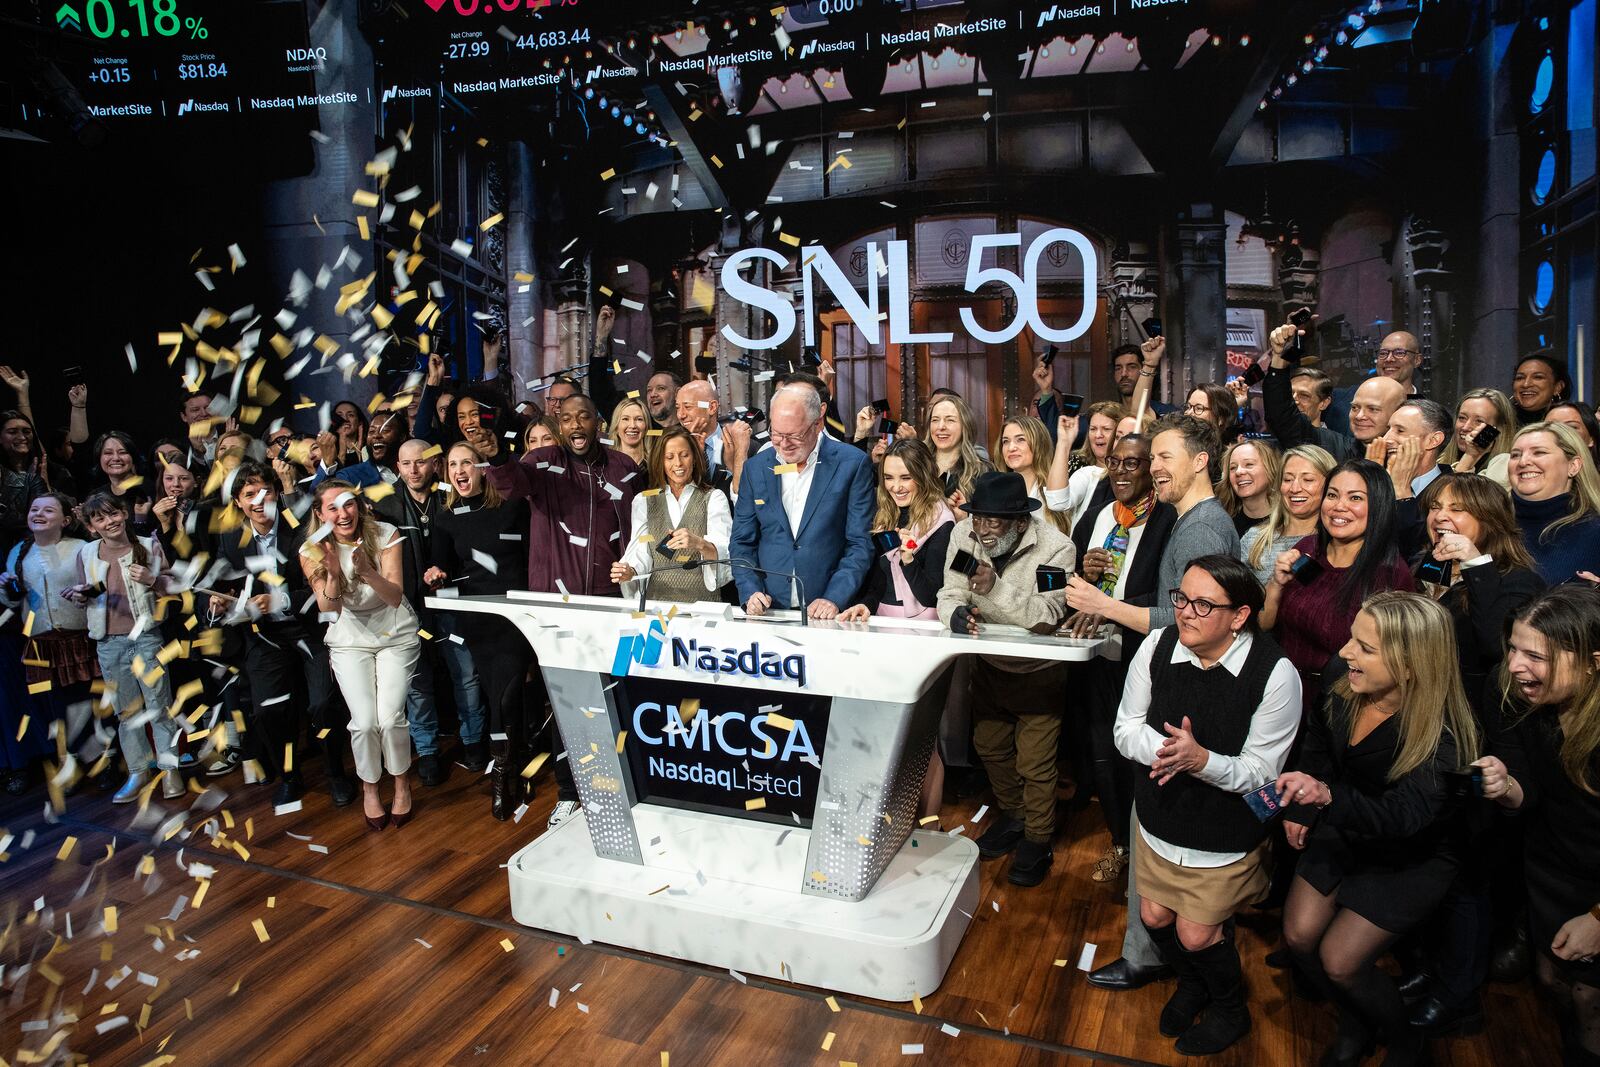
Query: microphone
[796,586]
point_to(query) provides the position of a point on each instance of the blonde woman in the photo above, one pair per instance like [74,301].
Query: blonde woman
[952,432]
[1475,410]
[355,568]
[1369,805]
[629,426]
[1251,472]
[1555,493]
[540,433]
[1295,509]
[1024,447]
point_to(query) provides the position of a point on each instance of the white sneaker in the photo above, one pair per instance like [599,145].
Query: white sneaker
[173,786]
[564,810]
[130,790]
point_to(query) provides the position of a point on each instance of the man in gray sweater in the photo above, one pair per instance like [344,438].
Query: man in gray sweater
[1180,462]
[1016,703]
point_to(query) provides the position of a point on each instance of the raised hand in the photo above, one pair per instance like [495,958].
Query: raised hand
[1153,351]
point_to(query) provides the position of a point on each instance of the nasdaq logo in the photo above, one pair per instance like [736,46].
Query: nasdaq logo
[395,92]
[644,649]
[750,662]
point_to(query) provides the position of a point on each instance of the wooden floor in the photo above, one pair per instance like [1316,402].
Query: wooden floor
[318,942]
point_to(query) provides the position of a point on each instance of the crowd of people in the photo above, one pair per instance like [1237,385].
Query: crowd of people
[1400,598]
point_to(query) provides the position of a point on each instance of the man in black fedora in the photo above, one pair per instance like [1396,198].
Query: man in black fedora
[1000,558]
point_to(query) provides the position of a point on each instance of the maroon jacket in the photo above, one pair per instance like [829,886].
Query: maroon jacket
[579,516]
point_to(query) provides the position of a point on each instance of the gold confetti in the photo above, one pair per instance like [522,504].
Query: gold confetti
[623,736]
[364,198]
[272,902]
[1061,963]
[833,1005]
[66,848]
[756,804]
[261,930]
[507,944]
[607,174]
[110,920]
[827,1041]
[926,819]
[782,722]
[22,727]
[916,1004]
[786,468]
[534,764]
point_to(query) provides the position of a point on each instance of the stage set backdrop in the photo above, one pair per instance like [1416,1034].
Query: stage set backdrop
[925,192]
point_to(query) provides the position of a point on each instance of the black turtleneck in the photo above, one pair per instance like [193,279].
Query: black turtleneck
[498,534]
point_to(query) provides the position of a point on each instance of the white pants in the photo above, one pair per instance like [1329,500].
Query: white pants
[374,682]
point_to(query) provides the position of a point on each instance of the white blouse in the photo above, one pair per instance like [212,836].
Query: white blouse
[642,556]
[1073,499]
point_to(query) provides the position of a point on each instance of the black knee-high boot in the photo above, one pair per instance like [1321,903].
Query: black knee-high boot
[504,782]
[1191,996]
[1355,1038]
[1227,1018]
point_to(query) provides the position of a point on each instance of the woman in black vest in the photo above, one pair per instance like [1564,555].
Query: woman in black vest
[679,512]
[1211,706]
[474,551]
[1370,805]
[1119,540]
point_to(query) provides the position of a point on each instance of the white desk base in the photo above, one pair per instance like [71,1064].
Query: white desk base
[895,944]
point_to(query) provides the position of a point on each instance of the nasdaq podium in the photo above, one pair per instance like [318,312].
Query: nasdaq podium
[749,788]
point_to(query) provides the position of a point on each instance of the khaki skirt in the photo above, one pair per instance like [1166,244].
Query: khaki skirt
[1205,895]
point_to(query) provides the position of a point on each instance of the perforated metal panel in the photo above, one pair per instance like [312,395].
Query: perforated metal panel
[872,771]
[586,715]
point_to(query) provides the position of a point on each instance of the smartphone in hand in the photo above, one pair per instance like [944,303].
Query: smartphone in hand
[1306,570]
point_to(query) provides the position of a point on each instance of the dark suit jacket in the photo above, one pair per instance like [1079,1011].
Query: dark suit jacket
[1144,578]
[834,549]
[407,516]
[1292,428]
[294,624]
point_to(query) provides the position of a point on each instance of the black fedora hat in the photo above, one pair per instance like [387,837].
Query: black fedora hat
[1000,494]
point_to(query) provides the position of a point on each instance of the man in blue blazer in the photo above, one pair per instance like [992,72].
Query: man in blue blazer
[805,506]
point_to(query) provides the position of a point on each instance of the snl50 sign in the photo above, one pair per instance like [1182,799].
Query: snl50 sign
[890,265]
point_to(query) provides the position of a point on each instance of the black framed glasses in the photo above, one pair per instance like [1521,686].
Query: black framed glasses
[1202,607]
[1396,353]
[1133,464]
